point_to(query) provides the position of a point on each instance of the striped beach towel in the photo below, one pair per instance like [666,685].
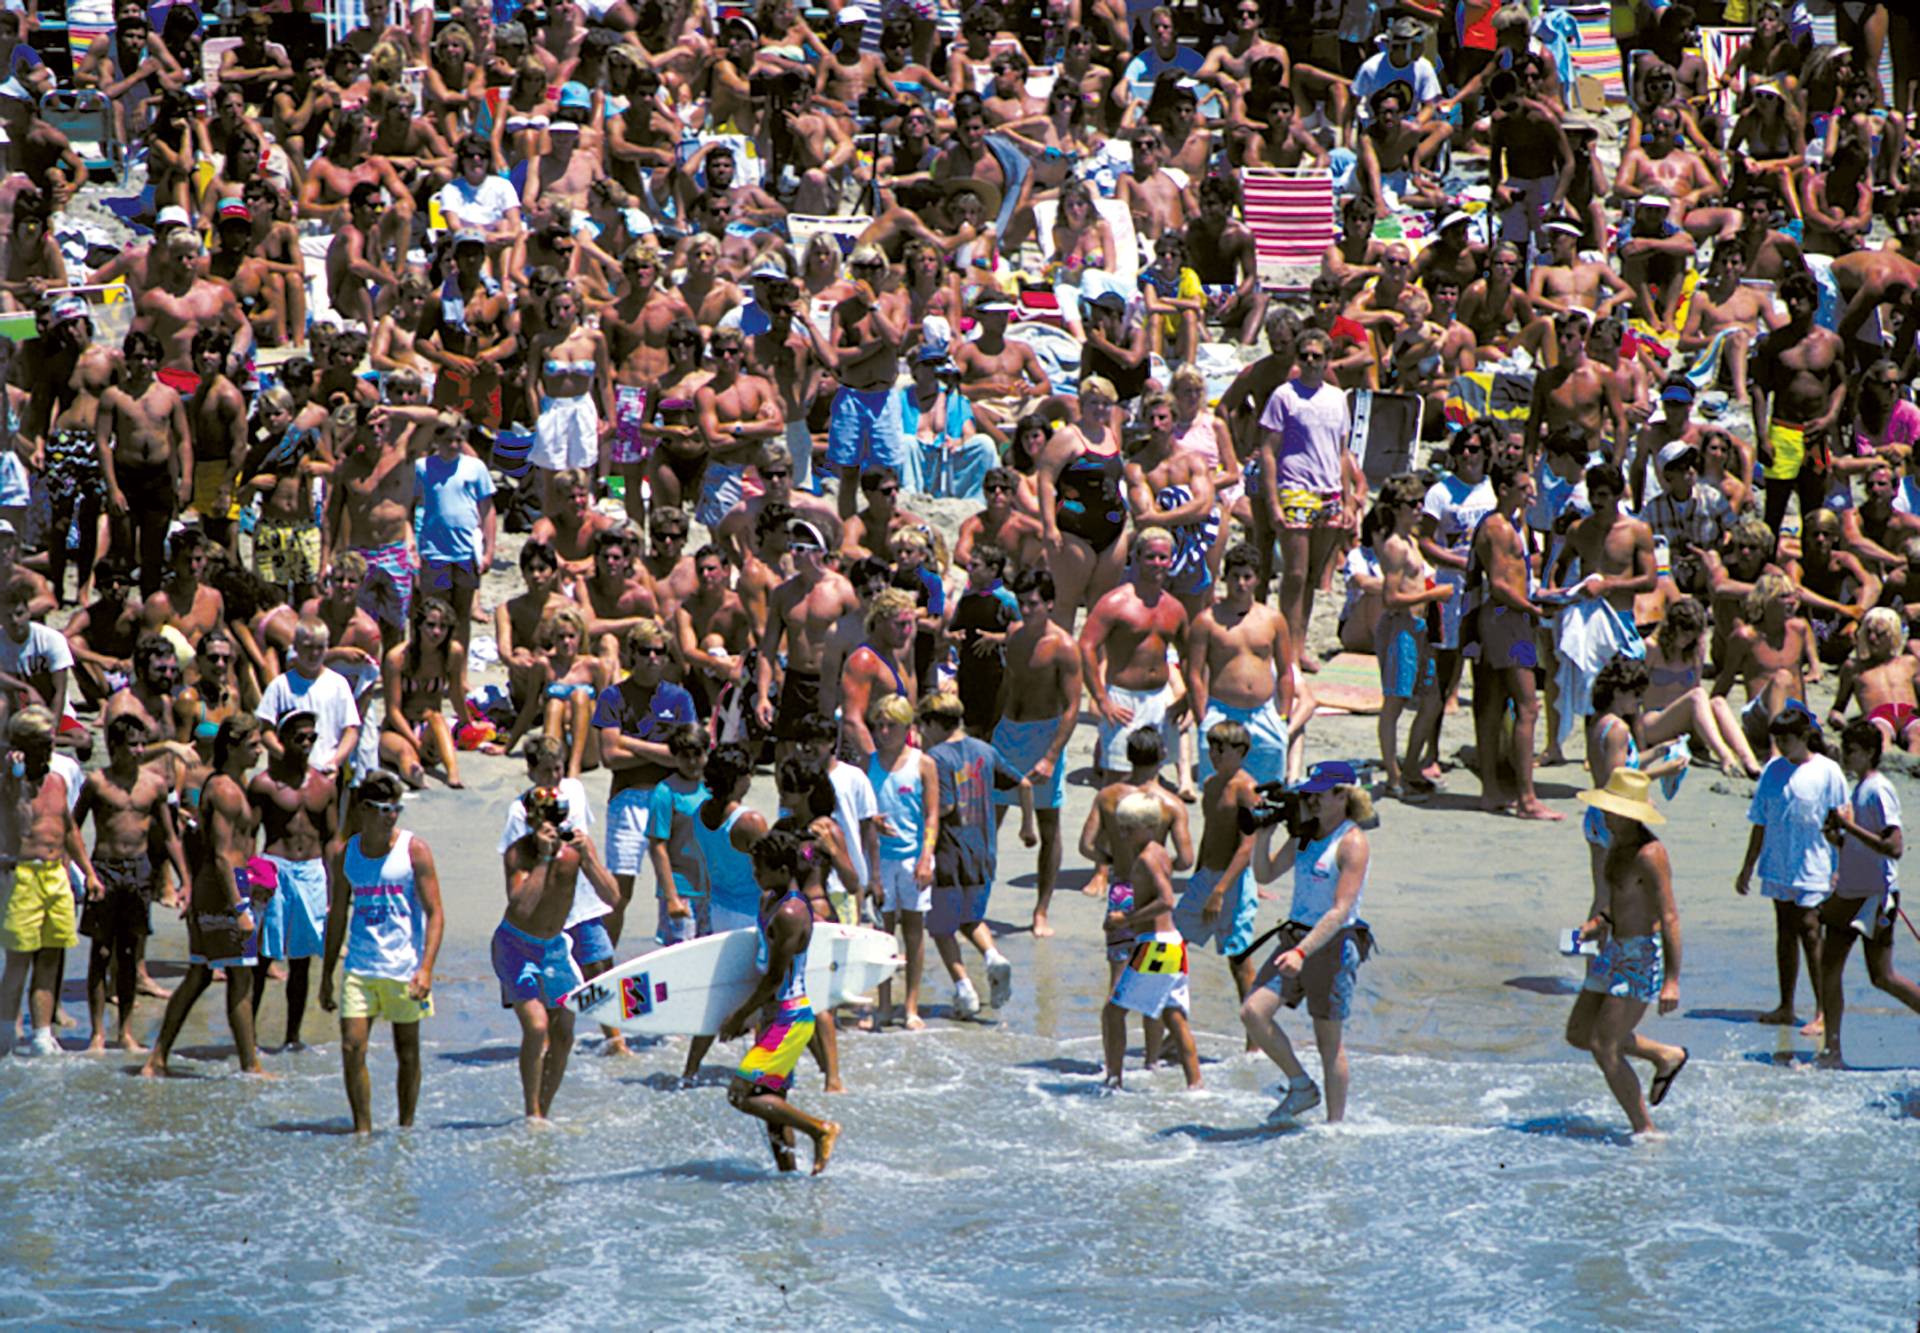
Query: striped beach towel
[1595,55]
[1290,214]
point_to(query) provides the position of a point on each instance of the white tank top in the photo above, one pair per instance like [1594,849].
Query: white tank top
[386,932]
[1316,876]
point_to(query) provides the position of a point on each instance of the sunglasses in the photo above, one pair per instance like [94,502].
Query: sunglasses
[770,472]
[1311,358]
[381,807]
[805,548]
[649,652]
[997,489]
[729,351]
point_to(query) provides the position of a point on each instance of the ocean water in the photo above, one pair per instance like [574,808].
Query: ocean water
[984,1180]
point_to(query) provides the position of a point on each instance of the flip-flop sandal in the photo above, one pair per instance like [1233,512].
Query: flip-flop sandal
[1663,1083]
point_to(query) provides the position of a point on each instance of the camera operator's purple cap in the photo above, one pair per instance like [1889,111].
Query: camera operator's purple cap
[1326,776]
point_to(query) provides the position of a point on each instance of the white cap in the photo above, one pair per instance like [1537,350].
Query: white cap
[170,216]
[851,15]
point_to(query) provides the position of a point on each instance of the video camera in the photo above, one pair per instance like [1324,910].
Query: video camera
[545,805]
[778,88]
[1293,806]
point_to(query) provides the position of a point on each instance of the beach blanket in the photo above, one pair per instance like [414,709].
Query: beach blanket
[1348,683]
[1503,395]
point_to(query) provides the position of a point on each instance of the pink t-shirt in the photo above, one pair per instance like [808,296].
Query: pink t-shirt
[1903,427]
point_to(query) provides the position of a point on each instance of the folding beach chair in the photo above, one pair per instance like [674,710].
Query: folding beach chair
[86,118]
[1596,57]
[1291,216]
[1718,46]
[1123,266]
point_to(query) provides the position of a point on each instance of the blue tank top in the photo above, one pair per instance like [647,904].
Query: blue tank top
[897,794]
[1316,879]
[730,881]
[386,933]
[792,990]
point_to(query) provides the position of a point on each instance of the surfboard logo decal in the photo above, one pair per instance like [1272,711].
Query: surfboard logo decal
[587,997]
[636,996]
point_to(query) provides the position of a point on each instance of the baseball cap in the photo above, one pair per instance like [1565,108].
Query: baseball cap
[1653,201]
[69,308]
[575,95]
[288,719]
[171,216]
[6,528]
[1328,775]
[802,533]
[770,266]
[1563,226]
[1677,454]
[1678,392]
[743,25]
[991,300]
[469,238]
[559,126]
[234,208]
[1109,301]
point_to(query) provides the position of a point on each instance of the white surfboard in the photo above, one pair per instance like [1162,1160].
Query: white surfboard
[691,988]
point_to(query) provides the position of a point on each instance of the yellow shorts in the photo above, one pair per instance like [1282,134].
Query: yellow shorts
[381,997]
[1300,508]
[1789,451]
[286,553]
[40,908]
[206,491]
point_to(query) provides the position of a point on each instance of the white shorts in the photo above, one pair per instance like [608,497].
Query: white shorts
[1795,894]
[898,892]
[1155,977]
[567,434]
[1149,710]
[626,843]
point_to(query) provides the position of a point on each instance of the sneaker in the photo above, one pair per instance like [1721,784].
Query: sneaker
[966,1001]
[43,1043]
[999,981]
[1299,1099]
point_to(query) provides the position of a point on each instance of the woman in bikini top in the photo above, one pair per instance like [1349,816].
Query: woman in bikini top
[1079,483]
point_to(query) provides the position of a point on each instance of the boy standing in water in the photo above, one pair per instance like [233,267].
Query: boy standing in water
[760,1084]
[1220,902]
[386,911]
[1635,966]
[1154,982]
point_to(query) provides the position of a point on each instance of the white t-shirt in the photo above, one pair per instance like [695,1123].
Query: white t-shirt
[479,205]
[1457,506]
[69,768]
[1376,73]
[45,652]
[329,698]
[853,804]
[1863,872]
[1361,560]
[1791,803]
[588,905]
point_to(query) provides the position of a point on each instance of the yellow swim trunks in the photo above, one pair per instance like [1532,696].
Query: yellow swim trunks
[206,491]
[1789,450]
[1301,508]
[362,996]
[40,908]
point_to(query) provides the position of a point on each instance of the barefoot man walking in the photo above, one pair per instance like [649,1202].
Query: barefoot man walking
[1039,705]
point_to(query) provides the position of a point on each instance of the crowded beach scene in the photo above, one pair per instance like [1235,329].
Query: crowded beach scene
[967,665]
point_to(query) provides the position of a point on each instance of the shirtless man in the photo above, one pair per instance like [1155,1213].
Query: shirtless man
[872,530]
[1799,386]
[1836,589]
[572,526]
[130,811]
[1664,168]
[1881,677]
[767,563]
[1615,550]
[667,566]
[1226,261]
[636,327]
[791,352]
[1772,652]
[225,904]
[1123,650]
[1633,895]
[774,466]
[1576,393]
[354,261]
[516,621]
[145,447]
[967,157]
[178,302]
[881,666]
[1491,306]
[1530,162]
[1564,281]
[566,172]
[1002,378]
[801,613]
[1509,628]
[1236,659]
[869,330]
[738,413]
[373,514]
[39,836]
[847,72]
[1408,673]
[468,334]
[1173,489]
[295,805]
[1354,255]
[1450,254]
[714,631]
[1039,706]
[1724,305]
[1870,279]
[615,595]
[1157,201]
[1001,523]
[1377,306]
[347,162]
[186,601]
[1393,156]
[217,419]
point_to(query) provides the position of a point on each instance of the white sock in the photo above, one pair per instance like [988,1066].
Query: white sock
[995,956]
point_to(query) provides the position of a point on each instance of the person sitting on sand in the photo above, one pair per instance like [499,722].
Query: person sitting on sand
[1799,789]
[1635,966]
[565,684]
[1882,672]
[1767,653]
[421,677]
[1676,666]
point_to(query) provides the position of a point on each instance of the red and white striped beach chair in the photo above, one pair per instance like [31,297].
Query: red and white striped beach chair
[1291,216]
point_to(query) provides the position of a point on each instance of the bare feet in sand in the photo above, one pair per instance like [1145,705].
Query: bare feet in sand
[98,1046]
[1551,759]
[260,1072]
[1776,1017]
[1817,1028]
[1536,809]
[823,1146]
[1309,663]
[146,985]
[836,1086]
[914,1023]
[1097,886]
[1041,930]
[130,1045]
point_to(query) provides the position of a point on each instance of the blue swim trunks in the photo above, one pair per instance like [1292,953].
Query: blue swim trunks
[956,907]
[1231,931]
[1406,657]
[1632,968]
[293,922]
[864,430]
[1266,760]
[531,968]
[590,942]
[1021,746]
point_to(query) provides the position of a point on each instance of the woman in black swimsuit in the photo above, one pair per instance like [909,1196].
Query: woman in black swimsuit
[1081,516]
[679,454]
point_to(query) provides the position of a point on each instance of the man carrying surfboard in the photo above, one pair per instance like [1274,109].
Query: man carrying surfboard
[760,1084]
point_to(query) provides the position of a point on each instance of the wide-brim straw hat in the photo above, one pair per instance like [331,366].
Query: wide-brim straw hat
[1629,794]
